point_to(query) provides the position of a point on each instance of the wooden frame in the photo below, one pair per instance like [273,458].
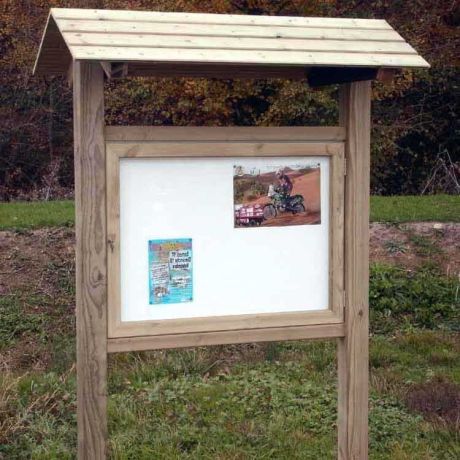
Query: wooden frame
[183,142]
[91,260]
[95,241]
[353,348]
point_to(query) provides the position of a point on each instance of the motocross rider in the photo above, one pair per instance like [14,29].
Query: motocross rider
[285,184]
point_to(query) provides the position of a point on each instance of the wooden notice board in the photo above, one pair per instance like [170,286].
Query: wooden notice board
[280,277]
[131,185]
[203,236]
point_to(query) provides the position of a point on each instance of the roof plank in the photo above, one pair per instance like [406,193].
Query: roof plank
[234,43]
[217,30]
[155,43]
[202,18]
[293,58]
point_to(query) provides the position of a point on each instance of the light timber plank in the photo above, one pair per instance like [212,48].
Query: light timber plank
[222,19]
[235,323]
[353,349]
[216,30]
[258,46]
[113,241]
[336,237]
[91,265]
[172,55]
[187,142]
[227,134]
[234,43]
[226,337]
[203,150]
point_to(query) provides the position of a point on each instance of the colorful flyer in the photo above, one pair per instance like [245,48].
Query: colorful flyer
[170,271]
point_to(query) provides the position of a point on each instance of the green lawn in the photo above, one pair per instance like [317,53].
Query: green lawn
[36,214]
[440,208]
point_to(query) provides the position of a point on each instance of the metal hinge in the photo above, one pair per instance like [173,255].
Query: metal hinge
[345,166]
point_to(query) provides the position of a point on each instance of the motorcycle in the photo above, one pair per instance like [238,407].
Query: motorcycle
[282,203]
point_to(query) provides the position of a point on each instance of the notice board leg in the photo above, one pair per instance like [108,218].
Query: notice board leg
[353,349]
[91,276]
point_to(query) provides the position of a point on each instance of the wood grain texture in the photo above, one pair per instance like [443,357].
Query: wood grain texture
[113,240]
[336,235]
[183,142]
[181,40]
[225,30]
[185,149]
[225,337]
[353,354]
[227,134]
[91,264]
[219,19]
[245,57]
[119,39]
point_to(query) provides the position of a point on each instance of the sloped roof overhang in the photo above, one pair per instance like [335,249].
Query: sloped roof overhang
[226,46]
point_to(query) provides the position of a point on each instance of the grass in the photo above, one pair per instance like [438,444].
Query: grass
[274,401]
[31,214]
[166,405]
[398,209]
[259,401]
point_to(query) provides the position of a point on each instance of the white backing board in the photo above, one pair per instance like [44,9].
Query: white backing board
[235,270]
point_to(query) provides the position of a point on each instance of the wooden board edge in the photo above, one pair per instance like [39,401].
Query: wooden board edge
[225,149]
[143,343]
[336,233]
[223,134]
[227,323]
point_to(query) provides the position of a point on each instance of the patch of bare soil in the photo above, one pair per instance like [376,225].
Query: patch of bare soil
[415,244]
[37,271]
[437,401]
[27,259]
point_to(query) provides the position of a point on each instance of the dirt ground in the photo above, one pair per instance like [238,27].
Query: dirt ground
[414,244]
[35,260]
[38,267]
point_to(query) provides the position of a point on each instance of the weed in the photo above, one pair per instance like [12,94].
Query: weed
[424,246]
[394,247]
[423,298]
[15,321]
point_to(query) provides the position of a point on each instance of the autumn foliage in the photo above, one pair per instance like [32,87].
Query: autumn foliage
[415,118]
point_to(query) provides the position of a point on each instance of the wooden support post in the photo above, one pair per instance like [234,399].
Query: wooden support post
[91,255]
[353,349]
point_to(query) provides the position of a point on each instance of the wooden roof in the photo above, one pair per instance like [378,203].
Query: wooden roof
[155,43]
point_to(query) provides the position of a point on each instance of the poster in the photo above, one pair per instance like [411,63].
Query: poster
[277,195]
[170,271]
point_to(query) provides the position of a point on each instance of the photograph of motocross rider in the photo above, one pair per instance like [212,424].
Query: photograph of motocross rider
[285,184]
[281,194]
